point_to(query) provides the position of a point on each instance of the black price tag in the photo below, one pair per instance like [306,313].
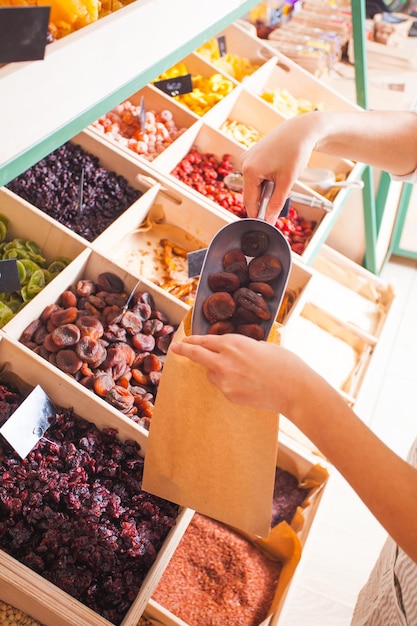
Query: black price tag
[175,86]
[9,276]
[221,42]
[29,422]
[23,33]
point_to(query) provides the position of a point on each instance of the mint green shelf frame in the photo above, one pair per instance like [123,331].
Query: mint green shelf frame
[374,205]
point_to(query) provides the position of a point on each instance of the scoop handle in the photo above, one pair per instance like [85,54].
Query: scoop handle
[267,188]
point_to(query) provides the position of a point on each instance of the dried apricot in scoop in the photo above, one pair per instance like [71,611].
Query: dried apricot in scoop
[218,307]
[254,243]
[264,268]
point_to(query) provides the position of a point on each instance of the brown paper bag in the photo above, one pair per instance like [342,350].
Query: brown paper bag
[208,454]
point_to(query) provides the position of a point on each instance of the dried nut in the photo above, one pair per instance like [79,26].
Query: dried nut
[254,243]
[221,328]
[223,281]
[251,330]
[264,268]
[252,301]
[219,306]
[263,288]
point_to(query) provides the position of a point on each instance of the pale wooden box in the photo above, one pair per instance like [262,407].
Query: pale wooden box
[88,265]
[295,459]
[19,585]
[154,100]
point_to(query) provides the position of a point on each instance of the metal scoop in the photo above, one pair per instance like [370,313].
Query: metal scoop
[324,179]
[230,237]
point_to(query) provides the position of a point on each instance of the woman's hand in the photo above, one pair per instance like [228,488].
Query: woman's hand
[280,156]
[248,372]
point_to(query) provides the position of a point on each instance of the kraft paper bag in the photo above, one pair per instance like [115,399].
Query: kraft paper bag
[208,454]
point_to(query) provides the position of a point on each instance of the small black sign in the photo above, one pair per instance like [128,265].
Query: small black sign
[23,33]
[221,42]
[9,276]
[175,86]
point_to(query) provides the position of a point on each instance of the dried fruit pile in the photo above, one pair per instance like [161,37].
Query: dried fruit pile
[217,577]
[287,497]
[73,511]
[123,125]
[205,173]
[54,184]
[34,270]
[118,355]
[206,90]
[242,289]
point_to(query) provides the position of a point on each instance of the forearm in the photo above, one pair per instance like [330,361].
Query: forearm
[386,483]
[384,139]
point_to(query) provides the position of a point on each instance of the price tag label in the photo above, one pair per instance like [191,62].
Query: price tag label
[221,42]
[175,86]
[23,33]
[142,115]
[29,422]
[9,276]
